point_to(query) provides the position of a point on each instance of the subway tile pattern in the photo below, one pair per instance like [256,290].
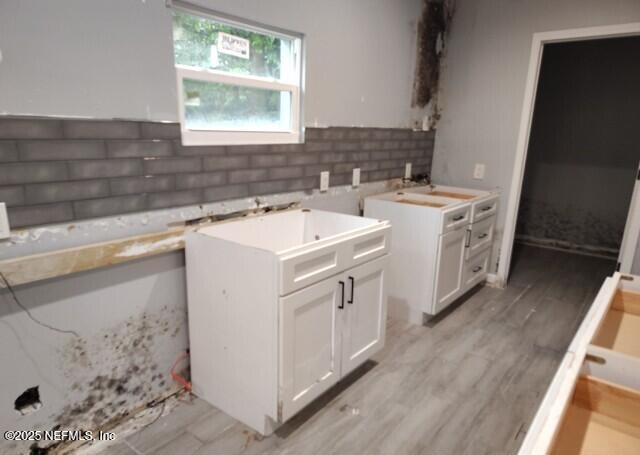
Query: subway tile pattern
[60,170]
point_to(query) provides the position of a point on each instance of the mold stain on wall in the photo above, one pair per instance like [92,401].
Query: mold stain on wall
[114,373]
[569,227]
[433,29]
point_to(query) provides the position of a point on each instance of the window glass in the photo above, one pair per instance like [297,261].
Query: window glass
[217,106]
[204,43]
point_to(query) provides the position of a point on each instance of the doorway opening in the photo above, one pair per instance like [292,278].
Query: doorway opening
[583,153]
[579,136]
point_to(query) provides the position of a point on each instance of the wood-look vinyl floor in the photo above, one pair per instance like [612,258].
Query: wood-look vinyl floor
[467,383]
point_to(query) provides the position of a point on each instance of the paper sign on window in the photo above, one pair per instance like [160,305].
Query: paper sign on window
[233,45]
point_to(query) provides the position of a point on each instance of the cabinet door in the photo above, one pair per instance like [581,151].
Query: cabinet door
[366,305]
[309,344]
[451,252]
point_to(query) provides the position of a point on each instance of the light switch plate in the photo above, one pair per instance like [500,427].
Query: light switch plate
[407,170]
[478,171]
[356,177]
[5,232]
[324,181]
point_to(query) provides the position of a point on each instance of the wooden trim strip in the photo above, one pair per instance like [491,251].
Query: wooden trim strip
[28,269]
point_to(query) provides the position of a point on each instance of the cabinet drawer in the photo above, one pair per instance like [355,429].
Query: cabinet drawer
[480,236]
[305,268]
[613,353]
[484,208]
[596,390]
[455,218]
[475,270]
[601,417]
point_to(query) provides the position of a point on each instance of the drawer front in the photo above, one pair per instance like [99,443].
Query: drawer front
[484,208]
[475,270]
[455,218]
[480,236]
[369,246]
[309,267]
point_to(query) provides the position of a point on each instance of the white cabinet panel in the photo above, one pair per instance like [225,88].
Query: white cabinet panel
[309,334]
[451,252]
[363,334]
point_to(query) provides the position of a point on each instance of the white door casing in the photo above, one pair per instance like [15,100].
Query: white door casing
[535,59]
[629,244]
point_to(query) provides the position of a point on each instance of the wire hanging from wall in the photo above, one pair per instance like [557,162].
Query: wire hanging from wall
[28,313]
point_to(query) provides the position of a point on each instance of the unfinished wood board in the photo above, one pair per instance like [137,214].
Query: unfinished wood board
[627,301]
[603,418]
[452,195]
[79,259]
[423,203]
[583,432]
[615,401]
[28,269]
[620,332]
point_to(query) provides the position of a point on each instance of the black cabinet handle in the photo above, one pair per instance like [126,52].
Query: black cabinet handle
[341,306]
[481,236]
[477,269]
[458,218]
[352,286]
[488,207]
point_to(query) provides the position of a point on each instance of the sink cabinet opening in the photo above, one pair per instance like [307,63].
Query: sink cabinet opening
[282,231]
[601,418]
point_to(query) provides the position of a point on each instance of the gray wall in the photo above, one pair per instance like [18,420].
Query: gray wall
[114,59]
[584,151]
[483,79]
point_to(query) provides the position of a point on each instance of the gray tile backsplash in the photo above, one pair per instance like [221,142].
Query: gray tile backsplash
[58,170]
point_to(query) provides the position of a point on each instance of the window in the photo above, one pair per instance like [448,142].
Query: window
[238,83]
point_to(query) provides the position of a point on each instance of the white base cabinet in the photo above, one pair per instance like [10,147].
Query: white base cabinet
[281,307]
[592,406]
[442,245]
[327,330]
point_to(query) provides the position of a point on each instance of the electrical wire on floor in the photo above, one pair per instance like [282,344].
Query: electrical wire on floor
[179,378]
[157,417]
[28,313]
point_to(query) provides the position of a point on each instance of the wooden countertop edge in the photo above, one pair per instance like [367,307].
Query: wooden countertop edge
[37,267]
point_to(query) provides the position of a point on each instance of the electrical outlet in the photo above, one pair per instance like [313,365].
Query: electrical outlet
[356,177]
[407,171]
[478,171]
[324,181]
[5,232]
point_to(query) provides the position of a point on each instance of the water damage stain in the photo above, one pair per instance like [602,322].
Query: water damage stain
[116,370]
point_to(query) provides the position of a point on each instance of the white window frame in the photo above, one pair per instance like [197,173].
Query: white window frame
[294,84]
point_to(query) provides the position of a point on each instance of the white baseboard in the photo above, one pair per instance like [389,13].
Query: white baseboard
[493,281]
